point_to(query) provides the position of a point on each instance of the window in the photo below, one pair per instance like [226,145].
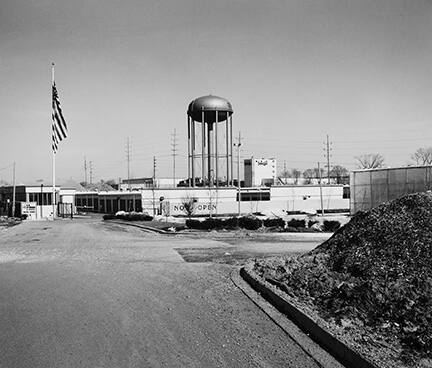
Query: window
[44,199]
[102,205]
[346,192]
[254,196]
[108,206]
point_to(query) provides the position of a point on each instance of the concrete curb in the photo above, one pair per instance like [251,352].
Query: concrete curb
[147,228]
[325,339]
[310,347]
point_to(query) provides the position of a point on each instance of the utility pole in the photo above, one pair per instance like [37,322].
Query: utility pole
[285,172]
[14,192]
[327,155]
[320,186]
[128,162]
[91,171]
[238,145]
[85,170]
[174,154]
[153,184]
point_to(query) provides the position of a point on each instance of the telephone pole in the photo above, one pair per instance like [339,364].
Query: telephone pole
[128,162]
[327,155]
[153,184]
[285,172]
[238,145]
[85,170]
[91,171]
[320,186]
[174,154]
[14,191]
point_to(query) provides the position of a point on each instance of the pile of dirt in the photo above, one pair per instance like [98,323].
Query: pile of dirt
[374,275]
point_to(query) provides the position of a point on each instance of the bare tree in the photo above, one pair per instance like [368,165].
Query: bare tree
[370,161]
[189,204]
[314,173]
[423,156]
[284,175]
[309,174]
[292,174]
[338,172]
[318,173]
[295,173]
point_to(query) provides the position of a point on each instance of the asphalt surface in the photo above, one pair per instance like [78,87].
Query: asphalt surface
[83,293]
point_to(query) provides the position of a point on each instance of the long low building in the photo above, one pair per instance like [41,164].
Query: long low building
[218,201]
[35,202]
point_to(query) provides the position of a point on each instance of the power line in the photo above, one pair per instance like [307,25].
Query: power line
[6,167]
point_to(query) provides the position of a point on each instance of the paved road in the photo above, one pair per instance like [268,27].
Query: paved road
[82,293]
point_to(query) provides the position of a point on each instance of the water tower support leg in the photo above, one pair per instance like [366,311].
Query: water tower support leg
[216,148]
[227,152]
[193,150]
[203,145]
[231,147]
[189,151]
[209,150]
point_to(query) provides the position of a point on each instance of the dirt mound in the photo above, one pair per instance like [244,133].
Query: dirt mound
[374,273]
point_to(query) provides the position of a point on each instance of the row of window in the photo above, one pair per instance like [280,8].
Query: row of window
[108,205]
[85,201]
[253,196]
[41,199]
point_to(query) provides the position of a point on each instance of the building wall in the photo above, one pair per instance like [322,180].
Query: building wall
[224,200]
[258,171]
[221,201]
[369,188]
[108,202]
[207,200]
[307,198]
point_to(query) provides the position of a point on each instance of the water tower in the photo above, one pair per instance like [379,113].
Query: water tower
[216,142]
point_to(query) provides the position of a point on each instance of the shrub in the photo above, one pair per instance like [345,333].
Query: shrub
[296,223]
[211,223]
[137,217]
[193,224]
[249,223]
[109,216]
[128,217]
[331,225]
[277,222]
[231,223]
[312,223]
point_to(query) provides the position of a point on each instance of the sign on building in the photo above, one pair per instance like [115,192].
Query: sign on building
[29,209]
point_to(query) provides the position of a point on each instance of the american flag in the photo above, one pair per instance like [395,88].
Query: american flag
[59,127]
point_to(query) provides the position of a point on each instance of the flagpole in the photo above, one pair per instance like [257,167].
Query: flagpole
[54,204]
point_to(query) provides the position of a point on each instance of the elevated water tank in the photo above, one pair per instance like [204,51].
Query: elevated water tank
[209,105]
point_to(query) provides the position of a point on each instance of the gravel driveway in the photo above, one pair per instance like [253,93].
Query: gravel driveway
[83,293]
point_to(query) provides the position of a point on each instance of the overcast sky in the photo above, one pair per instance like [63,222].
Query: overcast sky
[294,71]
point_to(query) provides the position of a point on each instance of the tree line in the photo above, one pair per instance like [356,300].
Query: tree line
[422,156]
